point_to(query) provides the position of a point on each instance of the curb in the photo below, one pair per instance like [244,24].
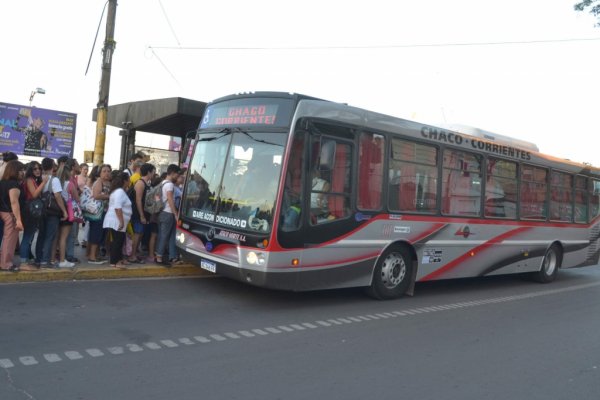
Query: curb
[88,273]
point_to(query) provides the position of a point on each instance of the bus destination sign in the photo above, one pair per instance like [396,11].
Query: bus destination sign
[271,112]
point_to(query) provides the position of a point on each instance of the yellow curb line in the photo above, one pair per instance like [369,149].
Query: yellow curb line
[85,273]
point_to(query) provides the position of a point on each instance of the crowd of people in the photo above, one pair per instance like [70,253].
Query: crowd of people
[56,203]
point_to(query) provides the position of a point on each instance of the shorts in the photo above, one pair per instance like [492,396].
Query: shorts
[137,226]
[96,233]
[65,223]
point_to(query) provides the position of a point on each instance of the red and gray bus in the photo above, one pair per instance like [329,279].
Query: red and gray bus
[292,192]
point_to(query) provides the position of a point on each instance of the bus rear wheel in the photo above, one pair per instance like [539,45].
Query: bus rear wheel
[392,274]
[550,265]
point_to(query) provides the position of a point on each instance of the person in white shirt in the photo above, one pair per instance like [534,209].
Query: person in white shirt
[167,218]
[117,217]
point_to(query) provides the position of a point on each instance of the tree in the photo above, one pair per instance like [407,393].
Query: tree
[593,5]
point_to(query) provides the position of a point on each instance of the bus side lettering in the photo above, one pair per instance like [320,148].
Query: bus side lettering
[441,136]
[500,149]
[449,137]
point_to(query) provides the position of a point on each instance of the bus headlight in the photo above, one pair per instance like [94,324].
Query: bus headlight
[255,258]
[181,238]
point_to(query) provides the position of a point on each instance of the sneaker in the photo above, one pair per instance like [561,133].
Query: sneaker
[66,264]
[73,260]
[47,265]
[97,262]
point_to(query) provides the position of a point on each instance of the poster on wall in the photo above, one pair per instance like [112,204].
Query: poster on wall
[37,132]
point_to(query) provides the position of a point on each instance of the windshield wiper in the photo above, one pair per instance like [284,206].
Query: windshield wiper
[224,131]
[255,139]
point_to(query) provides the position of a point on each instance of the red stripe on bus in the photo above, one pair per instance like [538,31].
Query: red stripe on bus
[454,263]
[427,233]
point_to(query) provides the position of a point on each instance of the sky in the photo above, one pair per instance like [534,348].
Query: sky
[525,69]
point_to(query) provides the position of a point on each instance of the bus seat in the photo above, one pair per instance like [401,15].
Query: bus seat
[408,195]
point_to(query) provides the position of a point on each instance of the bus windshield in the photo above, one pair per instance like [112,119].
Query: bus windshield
[234,177]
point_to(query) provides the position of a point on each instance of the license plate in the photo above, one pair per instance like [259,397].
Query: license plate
[208,265]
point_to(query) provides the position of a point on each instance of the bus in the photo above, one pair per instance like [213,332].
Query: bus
[292,192]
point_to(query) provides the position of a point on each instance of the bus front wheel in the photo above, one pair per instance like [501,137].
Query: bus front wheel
[550,265]
[392,274]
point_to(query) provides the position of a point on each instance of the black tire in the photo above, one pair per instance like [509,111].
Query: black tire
[392,274]
[550,265]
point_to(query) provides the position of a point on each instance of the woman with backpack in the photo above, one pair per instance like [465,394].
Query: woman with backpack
[140,219]
[100,192]
[32,187]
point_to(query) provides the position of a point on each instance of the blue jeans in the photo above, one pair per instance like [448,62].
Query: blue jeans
[70,247]
[43,247]
[28,234]
[166,235]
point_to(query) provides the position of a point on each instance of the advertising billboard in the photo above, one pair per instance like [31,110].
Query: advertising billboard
[38,132]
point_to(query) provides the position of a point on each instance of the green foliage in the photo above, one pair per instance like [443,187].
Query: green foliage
[592,5]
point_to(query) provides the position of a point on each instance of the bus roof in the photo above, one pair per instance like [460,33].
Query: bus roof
[309,106]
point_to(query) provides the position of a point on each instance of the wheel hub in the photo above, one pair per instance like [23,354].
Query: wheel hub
[393,271]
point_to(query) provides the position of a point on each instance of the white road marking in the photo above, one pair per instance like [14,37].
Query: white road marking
[169,343]
[52,358]
[6,363]
[218,338]
[152,346]
[232,335]
[28,360]
[115,350]
[273,330]
[246,334]
[201,339]
[186,341]
[285,328]
[95,352]
[134,348]
[73,355]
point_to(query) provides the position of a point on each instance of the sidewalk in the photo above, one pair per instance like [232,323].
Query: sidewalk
[84,271]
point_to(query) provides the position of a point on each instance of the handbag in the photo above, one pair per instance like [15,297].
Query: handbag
[50,204]
[73,210]
[96,216]
[89,205]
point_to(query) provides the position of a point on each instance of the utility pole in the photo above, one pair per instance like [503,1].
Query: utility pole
[102,106]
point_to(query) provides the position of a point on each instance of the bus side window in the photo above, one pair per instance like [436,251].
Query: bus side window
[331,177]
[291,209]
[370,171]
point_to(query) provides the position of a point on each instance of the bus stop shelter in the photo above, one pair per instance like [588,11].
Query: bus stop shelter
[174,116]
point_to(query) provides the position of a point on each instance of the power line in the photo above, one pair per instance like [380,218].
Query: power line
[358,47]
[165,67]
[95,38]
[169,22]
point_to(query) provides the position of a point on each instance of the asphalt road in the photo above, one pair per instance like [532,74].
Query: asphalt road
[493,338]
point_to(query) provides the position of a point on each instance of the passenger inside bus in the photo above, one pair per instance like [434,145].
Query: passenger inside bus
[319,204]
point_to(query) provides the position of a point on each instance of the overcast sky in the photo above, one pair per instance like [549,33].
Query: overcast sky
[435,61]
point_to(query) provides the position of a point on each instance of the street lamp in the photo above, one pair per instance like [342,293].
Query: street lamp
[33,92]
